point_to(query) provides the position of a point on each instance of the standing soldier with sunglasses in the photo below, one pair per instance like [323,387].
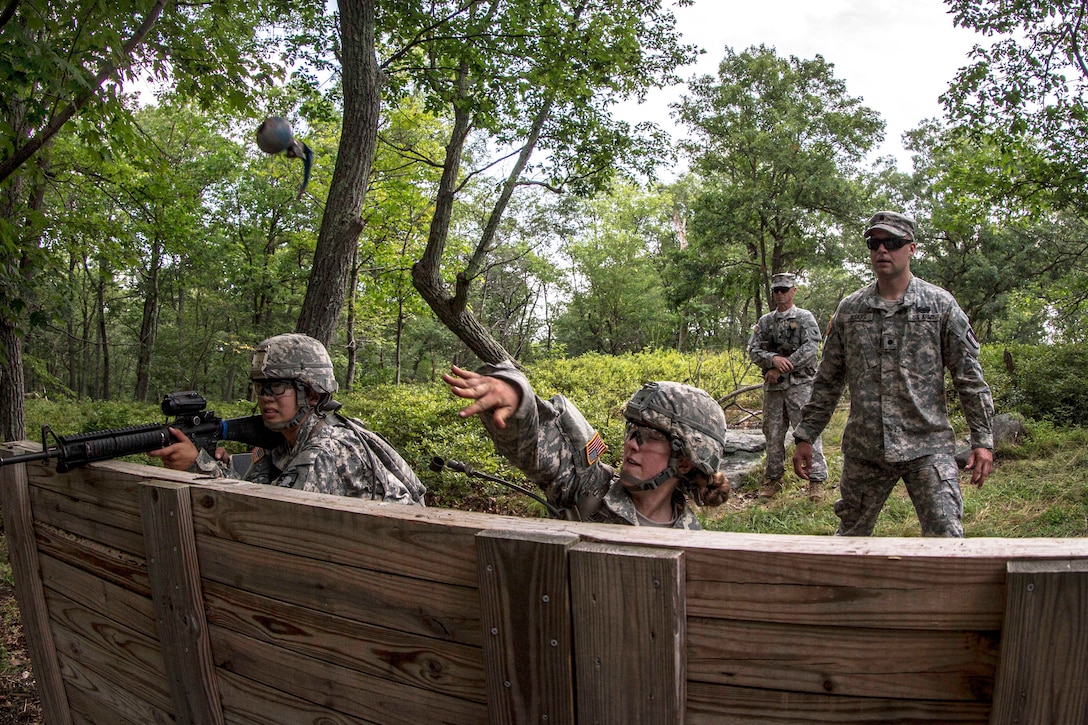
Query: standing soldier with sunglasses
[784,344]
[673,448]
[322,451]
[890,343]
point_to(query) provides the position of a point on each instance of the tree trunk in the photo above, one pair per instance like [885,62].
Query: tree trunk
[103,343]
[341,223]
[148,323]
[353,344]
[12,413]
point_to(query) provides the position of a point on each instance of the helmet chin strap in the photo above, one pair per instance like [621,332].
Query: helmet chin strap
[640,484]
[304,407]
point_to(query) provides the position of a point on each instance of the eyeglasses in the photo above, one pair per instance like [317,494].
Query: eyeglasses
[891,244]
[780,290]
[274,388]
[644,434]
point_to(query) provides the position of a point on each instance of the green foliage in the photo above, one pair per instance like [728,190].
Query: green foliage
[776,141]
[1047,382]
[1037,490]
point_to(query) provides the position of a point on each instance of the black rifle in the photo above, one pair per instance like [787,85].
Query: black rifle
[437,464]
[202,427]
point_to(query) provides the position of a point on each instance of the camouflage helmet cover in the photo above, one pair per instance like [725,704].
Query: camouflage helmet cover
[688,415]
[294,357]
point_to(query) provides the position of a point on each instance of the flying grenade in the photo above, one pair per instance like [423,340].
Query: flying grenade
[274,136]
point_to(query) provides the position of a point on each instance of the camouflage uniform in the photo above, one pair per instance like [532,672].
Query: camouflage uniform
[795,335]
[332,453]
[892,358]
[556,448]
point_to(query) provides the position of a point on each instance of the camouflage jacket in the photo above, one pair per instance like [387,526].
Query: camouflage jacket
[893,365]
[335,455]
[793,334]
[556,448]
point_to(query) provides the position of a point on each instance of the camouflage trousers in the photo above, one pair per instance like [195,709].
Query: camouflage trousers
[932,482]
[782,409]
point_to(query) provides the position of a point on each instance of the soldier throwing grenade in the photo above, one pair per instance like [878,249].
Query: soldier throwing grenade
[785,344]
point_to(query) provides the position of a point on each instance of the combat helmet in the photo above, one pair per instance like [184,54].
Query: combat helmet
[297,357]
[691,419]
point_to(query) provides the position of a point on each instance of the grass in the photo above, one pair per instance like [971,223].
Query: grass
[1038,489]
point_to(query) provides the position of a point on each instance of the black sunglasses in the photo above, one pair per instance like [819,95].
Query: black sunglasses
[780,290]
[890,244]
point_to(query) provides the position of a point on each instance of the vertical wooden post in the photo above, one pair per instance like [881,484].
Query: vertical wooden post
[30,593]
[525,612]
[1044,644]
[630,633]
[174,571]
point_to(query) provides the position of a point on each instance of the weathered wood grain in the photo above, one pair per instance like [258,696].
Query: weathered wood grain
[175,588]
[118,529]
[117,654]
[114,565]
[246,702]
[446,667]
[404,603]
[629,627]
[710,704]
[108,600]
[341,530]
[24,556]
[843,660]
[96,699]
[340,689]
[1044,656]
[526,613]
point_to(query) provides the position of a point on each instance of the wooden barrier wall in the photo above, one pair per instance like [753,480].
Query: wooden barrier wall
[150,596]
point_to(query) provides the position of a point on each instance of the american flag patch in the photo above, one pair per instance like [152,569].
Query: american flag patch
[595,448]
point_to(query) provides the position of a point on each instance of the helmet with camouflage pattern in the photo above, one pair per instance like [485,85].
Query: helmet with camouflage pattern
[689,416]
[294,357]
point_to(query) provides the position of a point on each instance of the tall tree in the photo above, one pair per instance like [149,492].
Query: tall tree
[521,77]
[1026,95]
[777,143]
[69,59]
[341,224]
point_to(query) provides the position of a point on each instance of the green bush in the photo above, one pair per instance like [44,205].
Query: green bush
[1046,382]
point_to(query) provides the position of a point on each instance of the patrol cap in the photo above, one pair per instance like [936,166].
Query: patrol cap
[894,223]
[783,279]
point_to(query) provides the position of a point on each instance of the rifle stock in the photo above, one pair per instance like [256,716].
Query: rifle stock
[203,428]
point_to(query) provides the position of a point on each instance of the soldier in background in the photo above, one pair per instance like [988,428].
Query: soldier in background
[323,451]
[672,451]
[785,344]
[890,343]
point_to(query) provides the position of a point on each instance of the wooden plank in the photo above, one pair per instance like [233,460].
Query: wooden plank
[246,702]
[629,633]
[106,562]
[96,699]
[436,544]
[402,603]
[844,659]
[526,618]
[99,486]
[711,704]
[1044,651]
[340,689]
[175,588]
[435,664]
[30,594]
[891,592]
[119,655]
[107,525]
[105,598]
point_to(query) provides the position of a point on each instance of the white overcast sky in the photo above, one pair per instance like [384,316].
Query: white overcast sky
[897,55]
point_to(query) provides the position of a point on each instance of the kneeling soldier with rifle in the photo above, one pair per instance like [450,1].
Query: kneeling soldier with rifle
[321,451]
